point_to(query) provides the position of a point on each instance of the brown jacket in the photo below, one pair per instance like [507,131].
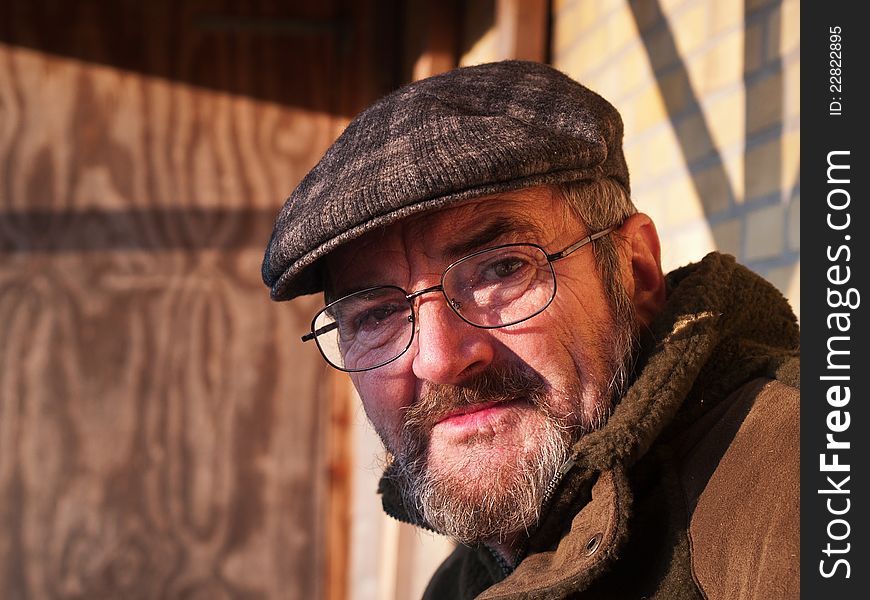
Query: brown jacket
[691,489]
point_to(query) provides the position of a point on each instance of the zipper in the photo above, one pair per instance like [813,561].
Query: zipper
[548,496]
[560,475]
[506,569]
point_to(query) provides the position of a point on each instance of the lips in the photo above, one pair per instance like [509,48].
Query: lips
[481,416]
[469,409]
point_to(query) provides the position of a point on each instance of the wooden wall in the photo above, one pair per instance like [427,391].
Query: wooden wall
[163,433]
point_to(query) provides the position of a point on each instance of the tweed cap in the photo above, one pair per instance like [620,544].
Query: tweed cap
[470,132]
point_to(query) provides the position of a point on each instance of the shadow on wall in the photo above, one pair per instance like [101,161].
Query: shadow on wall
[764,123]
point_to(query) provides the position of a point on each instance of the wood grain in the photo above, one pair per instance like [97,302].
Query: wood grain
[163,433]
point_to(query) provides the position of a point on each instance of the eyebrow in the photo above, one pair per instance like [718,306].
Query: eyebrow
[476,240]
[489,233]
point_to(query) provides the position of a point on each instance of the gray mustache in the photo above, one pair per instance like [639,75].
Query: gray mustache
[495,385]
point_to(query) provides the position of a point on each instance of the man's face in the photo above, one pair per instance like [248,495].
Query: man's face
[484,417]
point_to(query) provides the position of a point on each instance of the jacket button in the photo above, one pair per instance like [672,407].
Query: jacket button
[592,544]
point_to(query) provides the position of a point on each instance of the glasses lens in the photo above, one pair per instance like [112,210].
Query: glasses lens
[501,286]
[366,329]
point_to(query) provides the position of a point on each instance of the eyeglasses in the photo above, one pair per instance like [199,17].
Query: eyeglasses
[491,288]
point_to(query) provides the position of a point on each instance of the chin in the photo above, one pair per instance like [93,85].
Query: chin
[488,487]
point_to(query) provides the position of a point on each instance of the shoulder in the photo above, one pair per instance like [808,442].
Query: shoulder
[741,478]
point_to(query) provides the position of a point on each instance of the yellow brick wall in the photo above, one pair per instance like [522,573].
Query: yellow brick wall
[710,95]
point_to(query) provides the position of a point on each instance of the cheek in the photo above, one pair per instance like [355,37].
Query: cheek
[546,348]
[581,314]
[384,400]
[565,343]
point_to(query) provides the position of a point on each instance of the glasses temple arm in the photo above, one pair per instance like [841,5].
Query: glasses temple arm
[578,245]
[325,329]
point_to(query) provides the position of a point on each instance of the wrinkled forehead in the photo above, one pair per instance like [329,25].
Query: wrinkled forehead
[534,215]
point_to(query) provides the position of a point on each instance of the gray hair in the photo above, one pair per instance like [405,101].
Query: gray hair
[599,204]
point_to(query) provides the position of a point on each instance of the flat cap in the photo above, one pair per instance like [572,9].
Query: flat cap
[470,132]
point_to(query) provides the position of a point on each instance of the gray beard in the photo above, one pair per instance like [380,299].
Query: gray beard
[511,499]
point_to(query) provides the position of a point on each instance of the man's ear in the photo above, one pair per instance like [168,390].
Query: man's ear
[642,267]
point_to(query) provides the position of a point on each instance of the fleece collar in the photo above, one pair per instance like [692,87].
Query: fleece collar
[722,326]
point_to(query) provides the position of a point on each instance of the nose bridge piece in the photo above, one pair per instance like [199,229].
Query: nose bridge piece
[413,295]
[451,302]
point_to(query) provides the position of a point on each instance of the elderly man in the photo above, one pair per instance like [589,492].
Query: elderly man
[581,424]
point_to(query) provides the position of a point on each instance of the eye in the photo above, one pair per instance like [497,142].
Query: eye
[374,316]
[506,267]
[502,269]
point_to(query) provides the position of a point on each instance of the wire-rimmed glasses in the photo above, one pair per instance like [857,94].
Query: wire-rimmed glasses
[491,288]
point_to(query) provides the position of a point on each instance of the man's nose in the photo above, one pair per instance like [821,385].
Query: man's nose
[449,350]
